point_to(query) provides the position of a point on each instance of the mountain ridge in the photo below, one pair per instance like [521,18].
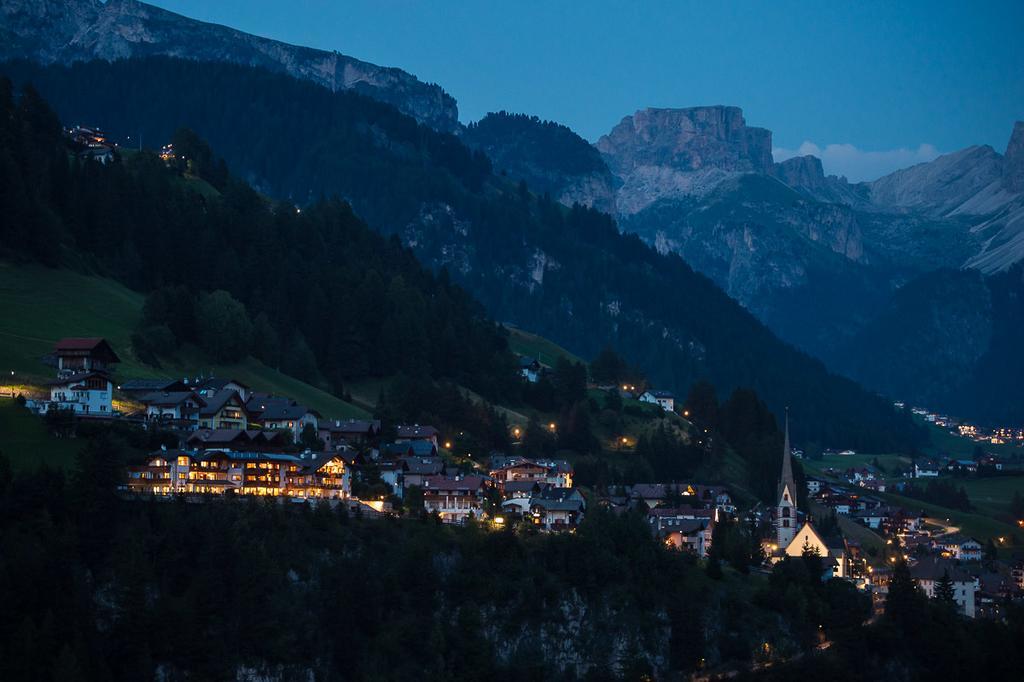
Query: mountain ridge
[64,31]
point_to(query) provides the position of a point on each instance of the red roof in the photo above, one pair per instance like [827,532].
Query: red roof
[91,345]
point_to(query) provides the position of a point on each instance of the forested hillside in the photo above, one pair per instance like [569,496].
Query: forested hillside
[314,292]
[567,274]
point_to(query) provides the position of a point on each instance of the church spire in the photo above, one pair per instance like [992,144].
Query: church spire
[787,464]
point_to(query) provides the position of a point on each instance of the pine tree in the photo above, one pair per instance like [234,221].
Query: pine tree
[904,600]
[944,590]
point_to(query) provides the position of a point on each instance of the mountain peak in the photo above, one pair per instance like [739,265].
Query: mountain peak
[666,153]
[1013,160]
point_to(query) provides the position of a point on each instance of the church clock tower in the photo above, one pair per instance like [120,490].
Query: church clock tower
[785,511]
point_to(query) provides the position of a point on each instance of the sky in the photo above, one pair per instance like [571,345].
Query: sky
[868,86]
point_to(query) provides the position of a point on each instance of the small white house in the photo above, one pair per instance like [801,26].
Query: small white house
[663,399]
[87,393]
[926,469]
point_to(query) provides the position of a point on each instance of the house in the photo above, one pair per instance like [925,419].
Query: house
[87,394]
[289,417]
[963,466]
[454,499]
[814,485]
[664,399]
[357,432]
[391,473]
[929,570]
[529,369]
[320,476]
[83,355]
[926,468]
[689,535]
[208,387]
[684,528]
[415,470]
[557,508]
[178,409]
[412,432]
[959,547]
[224,409]
[520,470]
[413,448]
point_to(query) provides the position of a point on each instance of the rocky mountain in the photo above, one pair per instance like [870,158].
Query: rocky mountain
[63,31]
[672,153]
[548,156]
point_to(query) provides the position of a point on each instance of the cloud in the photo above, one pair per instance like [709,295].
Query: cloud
[857,164]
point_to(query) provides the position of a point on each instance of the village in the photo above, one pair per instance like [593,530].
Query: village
[235,441]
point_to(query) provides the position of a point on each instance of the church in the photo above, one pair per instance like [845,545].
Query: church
[792,537]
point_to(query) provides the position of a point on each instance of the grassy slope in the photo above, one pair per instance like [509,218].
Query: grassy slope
[27,443]
[993,495]
[529,344]
[39,305]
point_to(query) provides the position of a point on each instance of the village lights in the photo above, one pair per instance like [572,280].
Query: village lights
[551,426]
[447,445]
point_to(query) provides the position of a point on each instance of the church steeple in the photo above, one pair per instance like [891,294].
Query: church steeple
[785,511]
[787,464]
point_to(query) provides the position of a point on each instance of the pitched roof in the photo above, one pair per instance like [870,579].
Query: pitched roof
[166,399]
[218,400]
[415,431]
[219,436]
[933,568]
[453,484]
[217,383]
[152,385]
[351,426]
[423,465]
[280,411]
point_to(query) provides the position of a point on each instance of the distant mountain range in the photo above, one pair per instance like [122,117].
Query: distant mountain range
[63,31]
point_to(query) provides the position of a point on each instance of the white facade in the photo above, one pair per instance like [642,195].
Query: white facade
[88,396]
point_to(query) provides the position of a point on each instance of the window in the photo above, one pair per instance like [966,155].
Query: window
[785,512]
[785,523]
[183,461]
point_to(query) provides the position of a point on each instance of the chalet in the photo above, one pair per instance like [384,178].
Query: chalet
[926,468]
[417,469]
[356,432]
[959,547]
[210,386]
[320,475]
[82,355]
[664,399]
[814,485]
[212,472]
[88,394]
[560,472]
[962,466]
[178,409]
[406,432]
[521,470]
[288,417]
[529,369]
[224,409]
[929,570]
[688,535]
[523,490]
[557,508]
[454,499]
[991,461]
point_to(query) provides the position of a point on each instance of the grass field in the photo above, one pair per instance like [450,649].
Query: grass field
[993,495]
[547,352]
[25,441]
[889,462]
[38,306]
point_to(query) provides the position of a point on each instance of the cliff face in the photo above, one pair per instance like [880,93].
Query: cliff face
[671,153]
[1013,160]
[67,30]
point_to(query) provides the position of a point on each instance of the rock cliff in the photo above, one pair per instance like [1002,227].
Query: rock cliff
[671,153]
[63,31]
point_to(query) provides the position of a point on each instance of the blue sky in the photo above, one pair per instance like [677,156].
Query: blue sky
[869,86]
